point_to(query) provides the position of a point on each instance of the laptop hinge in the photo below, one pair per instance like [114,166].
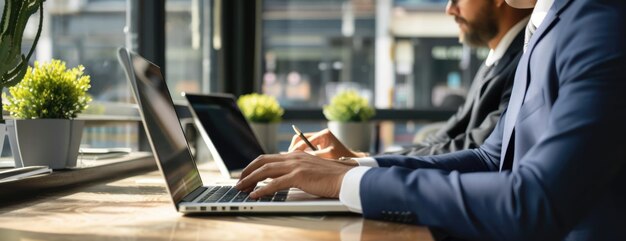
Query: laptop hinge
[193,195]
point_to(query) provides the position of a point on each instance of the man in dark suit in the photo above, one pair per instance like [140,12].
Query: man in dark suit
[482,23]
[553,169]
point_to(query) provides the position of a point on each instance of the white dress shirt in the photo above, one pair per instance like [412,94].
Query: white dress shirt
[349,194]
[539,14]
[496,54]
[540,11]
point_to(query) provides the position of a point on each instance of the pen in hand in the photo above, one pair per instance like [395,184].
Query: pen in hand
[299,133]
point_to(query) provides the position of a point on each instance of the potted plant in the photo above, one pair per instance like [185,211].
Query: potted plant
[44,105]
[348,114]
[13,63]
[263,113]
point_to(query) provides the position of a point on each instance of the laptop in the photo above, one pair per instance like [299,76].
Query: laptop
[226,132]
[172,154]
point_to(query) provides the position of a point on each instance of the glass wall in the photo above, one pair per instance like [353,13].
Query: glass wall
[188,46]
[400,54]
[312,49]
[190,57]
[88,33]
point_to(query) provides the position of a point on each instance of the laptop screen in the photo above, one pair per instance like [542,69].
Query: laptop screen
[227,128]
[162,126]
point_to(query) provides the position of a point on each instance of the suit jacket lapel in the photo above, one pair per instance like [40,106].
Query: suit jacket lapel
[503,63]
[490,73]
[515,103]
[522,79]
[551,18]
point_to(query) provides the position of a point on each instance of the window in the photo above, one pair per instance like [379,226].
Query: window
[401,54]
[312,48]
[88,33]
[190,57]
[188,46]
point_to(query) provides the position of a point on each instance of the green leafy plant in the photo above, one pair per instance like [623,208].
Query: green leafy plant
[13,63]
[348,106]
[260,108]
[49,90]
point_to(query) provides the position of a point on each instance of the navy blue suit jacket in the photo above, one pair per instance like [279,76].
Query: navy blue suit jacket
[554,167]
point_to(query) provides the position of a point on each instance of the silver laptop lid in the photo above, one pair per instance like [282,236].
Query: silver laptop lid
[223,127]
[162,125]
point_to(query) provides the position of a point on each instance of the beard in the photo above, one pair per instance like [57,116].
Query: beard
[481,30]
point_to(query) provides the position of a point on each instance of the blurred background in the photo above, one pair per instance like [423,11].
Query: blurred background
[403,55]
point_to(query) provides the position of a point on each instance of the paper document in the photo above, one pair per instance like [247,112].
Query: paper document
[22,172]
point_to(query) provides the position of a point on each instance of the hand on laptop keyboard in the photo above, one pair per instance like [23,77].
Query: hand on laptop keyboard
[314,175]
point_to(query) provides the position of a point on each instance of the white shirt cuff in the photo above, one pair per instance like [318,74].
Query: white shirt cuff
[349,194]
[366,161]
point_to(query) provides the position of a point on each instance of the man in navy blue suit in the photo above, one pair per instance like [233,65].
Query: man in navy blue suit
[553,169]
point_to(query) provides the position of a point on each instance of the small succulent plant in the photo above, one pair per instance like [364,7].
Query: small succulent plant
[260,108]
[348,106]
[49,90]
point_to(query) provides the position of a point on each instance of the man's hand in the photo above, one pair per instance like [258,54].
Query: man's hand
[314,175]
[328,145]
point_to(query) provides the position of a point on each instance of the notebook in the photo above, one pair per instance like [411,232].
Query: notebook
[171,151]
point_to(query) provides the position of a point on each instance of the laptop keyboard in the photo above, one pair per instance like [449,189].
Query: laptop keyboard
[226,194]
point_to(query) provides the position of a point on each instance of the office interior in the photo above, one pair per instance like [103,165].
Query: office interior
[403,55]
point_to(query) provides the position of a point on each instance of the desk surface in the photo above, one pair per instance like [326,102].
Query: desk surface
[138,208]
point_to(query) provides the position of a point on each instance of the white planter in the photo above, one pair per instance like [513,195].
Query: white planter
[3,132]
[45,142]
[266,135]
[355,135]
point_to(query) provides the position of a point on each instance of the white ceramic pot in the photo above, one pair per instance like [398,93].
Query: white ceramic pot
[355,135]
[266,135]
[3,132]
[45,142]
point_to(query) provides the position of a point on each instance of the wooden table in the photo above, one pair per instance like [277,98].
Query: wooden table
[139,208]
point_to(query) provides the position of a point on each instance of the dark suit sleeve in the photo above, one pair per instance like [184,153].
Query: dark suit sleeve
[473,137]
[559,179]
[485,158]
[470,130]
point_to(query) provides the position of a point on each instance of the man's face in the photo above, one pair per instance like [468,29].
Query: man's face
[477,20]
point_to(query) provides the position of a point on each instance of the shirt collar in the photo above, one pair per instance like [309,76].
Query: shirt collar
[496,54]
[541,10]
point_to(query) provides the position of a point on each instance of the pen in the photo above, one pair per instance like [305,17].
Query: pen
[299,133]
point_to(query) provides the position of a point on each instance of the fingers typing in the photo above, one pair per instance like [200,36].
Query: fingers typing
[275,185]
